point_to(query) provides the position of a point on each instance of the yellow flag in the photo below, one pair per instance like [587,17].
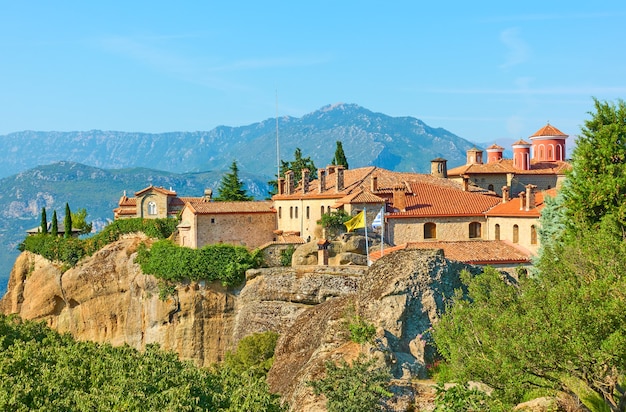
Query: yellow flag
[356,222]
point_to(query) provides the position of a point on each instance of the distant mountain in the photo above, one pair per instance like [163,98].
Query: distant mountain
[97,190]
[395,143]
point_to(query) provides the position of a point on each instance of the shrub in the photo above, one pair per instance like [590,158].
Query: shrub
[286,255]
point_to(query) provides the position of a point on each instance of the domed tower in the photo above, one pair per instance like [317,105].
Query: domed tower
[548,144]
[438,167]
[494,153]
[521,155]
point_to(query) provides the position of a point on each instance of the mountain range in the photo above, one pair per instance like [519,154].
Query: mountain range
[92,169]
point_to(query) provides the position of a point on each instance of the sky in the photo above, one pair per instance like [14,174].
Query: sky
[486,71]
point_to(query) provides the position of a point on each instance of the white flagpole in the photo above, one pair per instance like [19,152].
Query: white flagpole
[382,231]
[367,248]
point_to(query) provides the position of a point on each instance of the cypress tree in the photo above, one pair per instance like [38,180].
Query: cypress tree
[68,221]
[231,188]
[340,156]
[55,224]
[44,221]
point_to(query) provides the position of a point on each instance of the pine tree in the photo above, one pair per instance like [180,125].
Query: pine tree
[68,221]
[44,221]
[55,224]
[296,166]
[340,156]
[231,188]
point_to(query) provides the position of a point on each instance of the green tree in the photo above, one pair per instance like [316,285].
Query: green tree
[356,387]
[231,188]
[67,222]
[340,156]
[334,221]
[596,186]
[44,221]
[296,166]
[79,221]
[55,224]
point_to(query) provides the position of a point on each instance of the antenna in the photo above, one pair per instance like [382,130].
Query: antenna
[277,144]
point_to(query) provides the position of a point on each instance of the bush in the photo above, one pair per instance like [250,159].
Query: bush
[286,255]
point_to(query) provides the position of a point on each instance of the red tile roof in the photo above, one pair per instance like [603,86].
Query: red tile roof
[362,196]
[521,142]
[548,130]
[476,252]
[156,189]
[201,207]
[512,207]
[434,200]
[495,147]
[503,166]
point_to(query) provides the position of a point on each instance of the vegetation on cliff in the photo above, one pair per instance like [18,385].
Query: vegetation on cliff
[43,370]
[563,328]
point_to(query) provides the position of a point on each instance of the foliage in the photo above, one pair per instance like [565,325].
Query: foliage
[334,221]
[286,255]
[67,222]
[79,221]
[226,263]
[71,250]
[596,186]
[231,188]
[166,288]
[358,387]
[44,221]
[340,156]
[361,331]
[460,397]
[255,353]
[296,166]
[54,231]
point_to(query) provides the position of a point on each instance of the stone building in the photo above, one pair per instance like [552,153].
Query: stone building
[541,163]
[151,203]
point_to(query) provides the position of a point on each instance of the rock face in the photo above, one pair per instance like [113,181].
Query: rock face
[402,294]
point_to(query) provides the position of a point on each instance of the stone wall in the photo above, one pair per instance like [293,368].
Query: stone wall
[448,228]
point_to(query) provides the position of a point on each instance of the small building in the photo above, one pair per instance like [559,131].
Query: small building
[151,203]
[60,230]
[249,224]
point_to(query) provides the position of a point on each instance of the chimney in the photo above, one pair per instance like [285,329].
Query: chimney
[339,179]
[506,194]
[208,193]
[305,181]
[374,184]
[399,197]
[466,179]
[280,187]
[322,180]
[290,183]
[530,196]
[522,200]
[438,167]
[331,169]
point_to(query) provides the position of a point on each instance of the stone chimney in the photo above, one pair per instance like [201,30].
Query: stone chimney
[399,197]
[339,178]
[374,184]
[522,200]
[438,167]
[280,189]
[530,196]
[305,181]
[208,193]
[322,251]
[506,194]
[466,179]
[289,182]
[322,180]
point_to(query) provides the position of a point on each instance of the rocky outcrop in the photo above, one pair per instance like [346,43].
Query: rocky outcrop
[402,294]
[347,249]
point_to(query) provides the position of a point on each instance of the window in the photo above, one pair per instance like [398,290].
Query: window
[296,212]
[475,230]
[290,212]
[308,214]
[152,208]
[212,220]
[322,210]
[533,235]
[490,187]
[430,230]
[497,232]
[515,234]
[280,212]
[327,209]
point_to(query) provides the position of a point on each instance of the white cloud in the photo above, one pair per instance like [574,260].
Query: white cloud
[518,50]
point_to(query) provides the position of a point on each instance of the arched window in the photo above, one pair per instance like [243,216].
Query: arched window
[515,234]
[308,213]
[327,209]
[290,212]
[280,212]
[533,235]
[496,234]
[430,230]
[490,187]
[322,210]
[152,208]
[296,212]
[475,230]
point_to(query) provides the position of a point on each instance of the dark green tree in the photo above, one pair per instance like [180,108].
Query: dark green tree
[44,221]
[296,166]
[55,224]
[596,186]
[340,156]
[67,222]
[231,188]
[79,221]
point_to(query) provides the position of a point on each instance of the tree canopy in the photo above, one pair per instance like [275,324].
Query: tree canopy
[67,222]
[231,188]
[296,165]
[55,224]
[340,156]
[44,221]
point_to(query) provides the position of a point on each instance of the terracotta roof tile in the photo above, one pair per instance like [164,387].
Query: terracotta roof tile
[506,166]
[512,207]
[549,130]
[495,147]
[434,200]
[521,142]
[201,207]
[478,252]
[156,189]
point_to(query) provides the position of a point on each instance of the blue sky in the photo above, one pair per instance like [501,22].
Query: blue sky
[486,71]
